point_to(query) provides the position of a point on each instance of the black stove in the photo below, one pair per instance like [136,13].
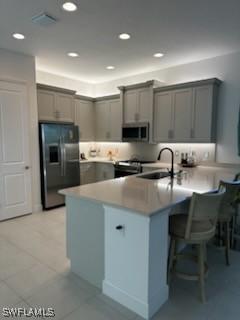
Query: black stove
[129,167]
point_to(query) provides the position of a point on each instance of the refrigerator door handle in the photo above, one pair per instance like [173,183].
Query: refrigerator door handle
[62,156]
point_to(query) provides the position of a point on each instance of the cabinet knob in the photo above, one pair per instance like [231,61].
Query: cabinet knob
[119,227]
[27,167]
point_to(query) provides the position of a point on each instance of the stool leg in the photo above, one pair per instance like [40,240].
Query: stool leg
[201,271]
[227,243]
[171,258]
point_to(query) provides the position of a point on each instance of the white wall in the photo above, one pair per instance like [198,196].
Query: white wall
[20,67]
[226,68]
[205,152]
[83,88]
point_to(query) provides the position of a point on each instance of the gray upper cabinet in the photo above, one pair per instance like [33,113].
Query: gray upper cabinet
[85,118]
[186,112]
[204,113]
[46,105]
[108,119]
[163,102]
[102,120]
[182,115]
[55,104]
[137,102]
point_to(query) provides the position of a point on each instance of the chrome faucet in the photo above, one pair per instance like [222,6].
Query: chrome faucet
[172,160]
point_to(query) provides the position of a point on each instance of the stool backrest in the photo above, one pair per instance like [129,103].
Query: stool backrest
[204,208]
[237,177]
[231,195]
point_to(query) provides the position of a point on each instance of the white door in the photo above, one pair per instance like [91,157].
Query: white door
[15,178]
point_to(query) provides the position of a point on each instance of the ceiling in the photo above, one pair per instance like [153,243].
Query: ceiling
[185,31]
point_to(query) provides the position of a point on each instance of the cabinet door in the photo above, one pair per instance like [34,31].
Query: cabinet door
[64,107]
[115,120]
[87,173]
[85,119]
[144,105]
[46,105]
[104,171]
[120,262]
[163,116]
[182,115]
[102,121]
[130,106]
[202,114]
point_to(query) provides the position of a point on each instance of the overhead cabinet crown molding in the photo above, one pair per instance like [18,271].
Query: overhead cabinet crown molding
[41,86]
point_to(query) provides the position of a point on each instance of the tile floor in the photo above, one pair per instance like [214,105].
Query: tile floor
[35,272]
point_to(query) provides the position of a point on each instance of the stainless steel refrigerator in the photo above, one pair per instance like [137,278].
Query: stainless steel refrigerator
[59,159]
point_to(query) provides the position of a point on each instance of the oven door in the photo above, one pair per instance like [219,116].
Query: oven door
[124,172]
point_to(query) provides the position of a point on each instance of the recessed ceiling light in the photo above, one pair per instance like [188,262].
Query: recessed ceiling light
[18,36]
[124,36]
[73,54]
[158,55]
[110,67]
[69,6]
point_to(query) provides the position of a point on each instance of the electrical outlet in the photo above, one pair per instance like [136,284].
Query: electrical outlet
[206,155]
[177,153]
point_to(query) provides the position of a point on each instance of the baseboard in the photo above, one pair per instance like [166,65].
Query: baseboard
[37,208]
[144,309]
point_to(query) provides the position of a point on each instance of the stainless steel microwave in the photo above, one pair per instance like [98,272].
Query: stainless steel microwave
[138,132]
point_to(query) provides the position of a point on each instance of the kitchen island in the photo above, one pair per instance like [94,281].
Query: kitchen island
[117,233]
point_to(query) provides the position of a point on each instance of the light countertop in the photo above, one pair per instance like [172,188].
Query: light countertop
[99,160]
[147,197]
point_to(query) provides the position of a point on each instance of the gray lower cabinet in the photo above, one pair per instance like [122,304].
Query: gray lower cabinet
[186,112]
[87,173]
[104,171]
[91,172]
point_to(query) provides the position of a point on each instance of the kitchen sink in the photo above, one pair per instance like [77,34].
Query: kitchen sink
[155,175]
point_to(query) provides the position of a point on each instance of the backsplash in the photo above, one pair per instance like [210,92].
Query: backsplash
[205,152]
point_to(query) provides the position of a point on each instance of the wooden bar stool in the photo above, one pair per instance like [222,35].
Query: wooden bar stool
[227,212]
[195,227]
[235,224]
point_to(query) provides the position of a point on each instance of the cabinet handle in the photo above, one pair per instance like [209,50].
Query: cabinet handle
[119,227]
[57,113]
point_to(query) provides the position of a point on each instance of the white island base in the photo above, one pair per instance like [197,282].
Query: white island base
[129,263]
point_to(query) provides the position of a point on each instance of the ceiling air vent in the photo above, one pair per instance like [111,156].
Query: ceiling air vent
[43,19]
